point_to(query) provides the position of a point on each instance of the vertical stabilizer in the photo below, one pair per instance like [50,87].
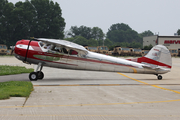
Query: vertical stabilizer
[158,56]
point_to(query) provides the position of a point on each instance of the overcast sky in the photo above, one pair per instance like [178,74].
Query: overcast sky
[159,16]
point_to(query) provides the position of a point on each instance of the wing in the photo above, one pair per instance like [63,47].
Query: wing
[64,43]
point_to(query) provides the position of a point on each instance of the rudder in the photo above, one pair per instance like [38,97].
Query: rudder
[161,55]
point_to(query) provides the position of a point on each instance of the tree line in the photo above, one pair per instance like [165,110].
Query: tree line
[39,18]
[43,19]
[119,34]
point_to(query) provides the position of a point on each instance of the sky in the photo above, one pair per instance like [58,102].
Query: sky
[159,16]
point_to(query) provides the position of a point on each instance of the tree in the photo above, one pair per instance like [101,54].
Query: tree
[2,4]
[148,47]
[146,33]
[92,42]
[6,22]
[118,26]
[135,45]
[48,20]
[178,31]
[122,33]
[24,20]
[81,31]
[38,18]
[87,32]
[97,33]
[78,39]
[107,42]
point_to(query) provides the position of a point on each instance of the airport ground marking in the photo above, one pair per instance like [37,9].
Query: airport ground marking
[149,84]
[86,115]
[77,105]
[69,85]
[135,71]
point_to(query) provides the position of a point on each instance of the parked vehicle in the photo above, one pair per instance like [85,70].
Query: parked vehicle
[131,51]
[144,52]
[3,49]
[174,52]
[102,49]
[110,52]
[122,51]
[117,50]
[87,48]
[137,52]
[93,49]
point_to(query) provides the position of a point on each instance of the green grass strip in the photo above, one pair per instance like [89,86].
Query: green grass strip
[15,89]
[9,70]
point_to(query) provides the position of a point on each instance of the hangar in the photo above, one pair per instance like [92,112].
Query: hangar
[171,42]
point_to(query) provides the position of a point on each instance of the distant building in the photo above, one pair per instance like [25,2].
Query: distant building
[171,42]
[150,40]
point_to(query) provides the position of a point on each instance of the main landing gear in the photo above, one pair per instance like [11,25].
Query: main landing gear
[34,76]
[159,77]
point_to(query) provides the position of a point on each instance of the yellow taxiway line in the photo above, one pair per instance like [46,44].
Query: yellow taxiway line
[100,104]
[149,84]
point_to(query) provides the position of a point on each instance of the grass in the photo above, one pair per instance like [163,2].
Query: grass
[9,70]
[15,89]
[6,55]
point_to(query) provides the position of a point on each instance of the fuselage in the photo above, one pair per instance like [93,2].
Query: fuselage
[34,52]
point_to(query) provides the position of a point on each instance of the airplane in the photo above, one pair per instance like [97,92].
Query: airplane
[68,55]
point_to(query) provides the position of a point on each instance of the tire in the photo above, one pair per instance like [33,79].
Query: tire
[33,76]
[40,75]
[159,77]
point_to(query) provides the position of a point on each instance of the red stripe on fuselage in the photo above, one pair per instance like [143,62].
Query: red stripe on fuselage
[150,61]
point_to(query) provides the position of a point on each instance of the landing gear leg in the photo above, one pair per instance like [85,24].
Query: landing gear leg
[159,77]
[34,76]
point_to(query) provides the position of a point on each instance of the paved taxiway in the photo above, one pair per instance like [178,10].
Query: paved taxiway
[67,94]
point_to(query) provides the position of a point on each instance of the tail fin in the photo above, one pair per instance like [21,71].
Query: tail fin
[159,55]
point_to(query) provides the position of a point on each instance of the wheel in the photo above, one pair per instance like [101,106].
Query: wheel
[159,77]
[40,75]
[33,76]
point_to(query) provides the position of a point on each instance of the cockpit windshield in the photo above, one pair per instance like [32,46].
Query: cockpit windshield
[57,49]
[41,43]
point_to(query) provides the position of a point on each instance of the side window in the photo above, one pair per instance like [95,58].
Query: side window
[57,48]
[81,54]
[73,52]
[64,50]
[47,46]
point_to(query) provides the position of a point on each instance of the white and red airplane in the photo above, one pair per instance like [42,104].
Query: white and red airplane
[68,55]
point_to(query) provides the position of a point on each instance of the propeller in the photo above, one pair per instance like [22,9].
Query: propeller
[12,49]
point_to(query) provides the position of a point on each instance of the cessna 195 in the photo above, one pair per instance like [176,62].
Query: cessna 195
[68,55]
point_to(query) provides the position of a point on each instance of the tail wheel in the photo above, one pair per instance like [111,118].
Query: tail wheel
[40,75]
[33,76]
[159,77]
